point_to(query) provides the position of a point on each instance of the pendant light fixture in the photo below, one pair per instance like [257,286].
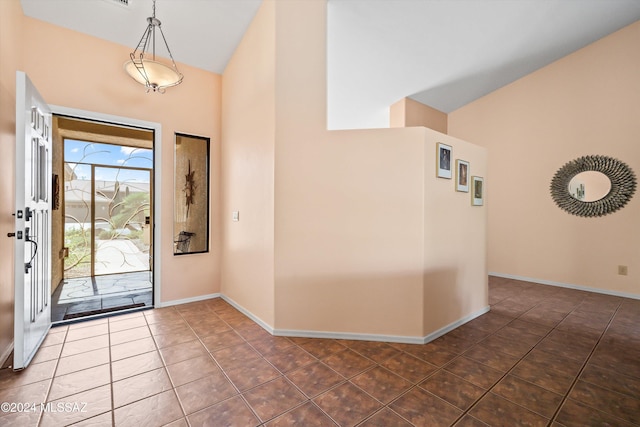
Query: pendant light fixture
[143,66]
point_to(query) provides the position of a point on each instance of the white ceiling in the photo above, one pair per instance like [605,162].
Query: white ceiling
[447,53]
[201,33]
[444,53]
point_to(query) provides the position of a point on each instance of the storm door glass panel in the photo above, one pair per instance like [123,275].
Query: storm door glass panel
[121,203]
[78,219]
[93,172]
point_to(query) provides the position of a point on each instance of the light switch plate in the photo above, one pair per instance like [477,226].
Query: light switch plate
[236,216]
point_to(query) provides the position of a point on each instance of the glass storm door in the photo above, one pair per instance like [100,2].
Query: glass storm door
[122,220]
[108,215]
[32,269]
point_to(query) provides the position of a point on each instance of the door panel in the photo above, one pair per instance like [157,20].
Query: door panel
[78,211]
[122,202]
[32,274]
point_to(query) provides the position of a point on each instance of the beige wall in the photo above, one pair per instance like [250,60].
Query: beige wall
[11,59]
[248,144]
[78,71]
[455,258]
[348,207]
[407,112]
[349,228]
[586,103]
[334,226]
[191,108]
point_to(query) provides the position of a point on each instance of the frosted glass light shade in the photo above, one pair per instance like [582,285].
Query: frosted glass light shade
[153,74]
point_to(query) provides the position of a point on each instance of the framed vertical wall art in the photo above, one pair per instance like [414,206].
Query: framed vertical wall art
[443,160]
[462,176]
[477,191]
[191,195]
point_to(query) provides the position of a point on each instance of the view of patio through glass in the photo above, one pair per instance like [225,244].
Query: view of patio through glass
[108,222]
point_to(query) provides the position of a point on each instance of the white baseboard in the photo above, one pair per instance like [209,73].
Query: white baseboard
[249,314]
[451,326]
[384,338]
[333,335]
[5,355]
[188,300]
[566,285]
[347,336]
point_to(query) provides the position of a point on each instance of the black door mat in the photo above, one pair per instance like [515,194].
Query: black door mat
[101,311]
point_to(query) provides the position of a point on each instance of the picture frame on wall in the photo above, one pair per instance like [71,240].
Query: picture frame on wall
[191,195]
[477,191]
[462,176]
[443,160]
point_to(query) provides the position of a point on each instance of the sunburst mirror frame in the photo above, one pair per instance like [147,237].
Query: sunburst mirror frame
[623,186]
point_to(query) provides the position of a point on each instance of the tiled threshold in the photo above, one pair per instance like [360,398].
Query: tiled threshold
[90,296]
[542,356]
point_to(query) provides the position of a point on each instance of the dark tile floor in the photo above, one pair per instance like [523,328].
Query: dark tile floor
[542,356]
[80,296]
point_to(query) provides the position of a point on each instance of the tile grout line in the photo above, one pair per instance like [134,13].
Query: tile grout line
[404,393]
[584,365]
[166,370]
[210,354]
[489,390]
[113,404]
[135,355]
[282,375]
[401,395]
[598,343]
[164,364]
[566,395]
[411,388]
[111,361]
[384,405]
[46,398]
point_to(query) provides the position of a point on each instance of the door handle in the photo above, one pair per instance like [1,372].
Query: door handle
[28,265]
[17,235]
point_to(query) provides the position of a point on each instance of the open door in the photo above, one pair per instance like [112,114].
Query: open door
[33,178]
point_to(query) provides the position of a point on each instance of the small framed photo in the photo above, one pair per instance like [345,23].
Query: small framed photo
[477,191]
[462,176]
[443,161]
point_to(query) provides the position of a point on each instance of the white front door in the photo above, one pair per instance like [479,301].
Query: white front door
[32,267]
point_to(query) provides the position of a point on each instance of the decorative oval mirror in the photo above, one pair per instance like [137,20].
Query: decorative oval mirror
[593,186]
[589,186]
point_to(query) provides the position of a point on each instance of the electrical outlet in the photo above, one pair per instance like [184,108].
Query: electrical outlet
[622,270]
